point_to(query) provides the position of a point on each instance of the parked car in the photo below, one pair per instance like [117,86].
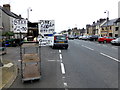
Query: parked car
[71,37]
[80,37]
[76,37]
[93,37]
[60,41]
[116,41]
[85,37]
[12,42]
[105,39]
[3,50]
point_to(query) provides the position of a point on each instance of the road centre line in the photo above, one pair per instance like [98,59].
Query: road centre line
[60,56]
[65,84]
[110,57]
[62,68]
[59,51]
[87,47]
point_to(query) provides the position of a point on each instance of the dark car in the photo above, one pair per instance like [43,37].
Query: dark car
[3,50]
[93,38]
[60,41]
[12,42]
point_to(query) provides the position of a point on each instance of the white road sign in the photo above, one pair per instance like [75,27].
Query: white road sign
[46,26]
[46,41]
[20,25]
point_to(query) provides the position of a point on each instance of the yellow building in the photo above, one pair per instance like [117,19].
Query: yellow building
[109,29]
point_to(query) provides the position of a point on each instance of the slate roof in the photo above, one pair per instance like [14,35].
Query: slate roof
[110,22]
[118,20]
[98,23]
[9,13]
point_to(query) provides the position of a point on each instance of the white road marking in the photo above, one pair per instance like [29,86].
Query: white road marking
[19,60]
[65,84]
[59,51]
[62,68]
[63,77]
[110,57]
[114,48]
[60,56]
[88,47]
[58,60]
[51,60]
[105,45]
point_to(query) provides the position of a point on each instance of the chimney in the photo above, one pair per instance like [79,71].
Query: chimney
[97,21]
[101,20]
[6,6]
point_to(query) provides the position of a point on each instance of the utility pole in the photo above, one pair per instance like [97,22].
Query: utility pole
[29,9]
[107,19]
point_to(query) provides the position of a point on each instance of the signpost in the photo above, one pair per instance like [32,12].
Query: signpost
[20,25]
[46,29]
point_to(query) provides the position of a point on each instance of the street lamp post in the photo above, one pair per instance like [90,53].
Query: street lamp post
[107,19]
[29,9]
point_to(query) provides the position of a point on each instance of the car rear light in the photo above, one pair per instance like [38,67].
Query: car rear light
[54,38]
[66,37]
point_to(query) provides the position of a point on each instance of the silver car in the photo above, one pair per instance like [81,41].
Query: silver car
[116,41]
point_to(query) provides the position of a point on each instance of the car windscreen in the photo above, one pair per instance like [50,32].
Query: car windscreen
[60,37]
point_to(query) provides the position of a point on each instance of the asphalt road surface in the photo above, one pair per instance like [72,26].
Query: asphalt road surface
[85,64]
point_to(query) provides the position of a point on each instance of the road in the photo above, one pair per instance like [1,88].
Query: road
[85,64]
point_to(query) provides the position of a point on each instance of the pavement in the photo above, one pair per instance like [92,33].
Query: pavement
[8,72]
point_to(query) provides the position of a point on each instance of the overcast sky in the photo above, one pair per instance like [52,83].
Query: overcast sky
[66,13]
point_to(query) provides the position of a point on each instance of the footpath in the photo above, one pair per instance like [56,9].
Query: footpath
[8,73]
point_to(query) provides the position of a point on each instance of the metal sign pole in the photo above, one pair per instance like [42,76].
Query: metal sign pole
[21,54]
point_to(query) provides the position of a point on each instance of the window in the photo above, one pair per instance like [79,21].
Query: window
[110,27]
[116,28]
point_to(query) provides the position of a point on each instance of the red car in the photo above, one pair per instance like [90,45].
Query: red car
[105,39]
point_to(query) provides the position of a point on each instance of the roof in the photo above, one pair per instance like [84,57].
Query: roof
[98,22]
[118,20]
[9,13]
[109,23]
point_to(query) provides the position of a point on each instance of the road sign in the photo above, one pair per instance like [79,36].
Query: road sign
[46,41]
[20,25]
[46,26]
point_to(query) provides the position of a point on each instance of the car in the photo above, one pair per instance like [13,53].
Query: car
[116,41]
[80,37]
[105,39]
[71,37]
[3,50]
[76,37]
[93,37]
[85,37]
[60,41]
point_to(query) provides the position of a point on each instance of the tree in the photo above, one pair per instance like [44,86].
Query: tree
[8,34]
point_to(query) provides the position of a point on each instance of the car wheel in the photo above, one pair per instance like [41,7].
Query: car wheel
[66,47]
[99,42]
[105,41]
[53,47]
